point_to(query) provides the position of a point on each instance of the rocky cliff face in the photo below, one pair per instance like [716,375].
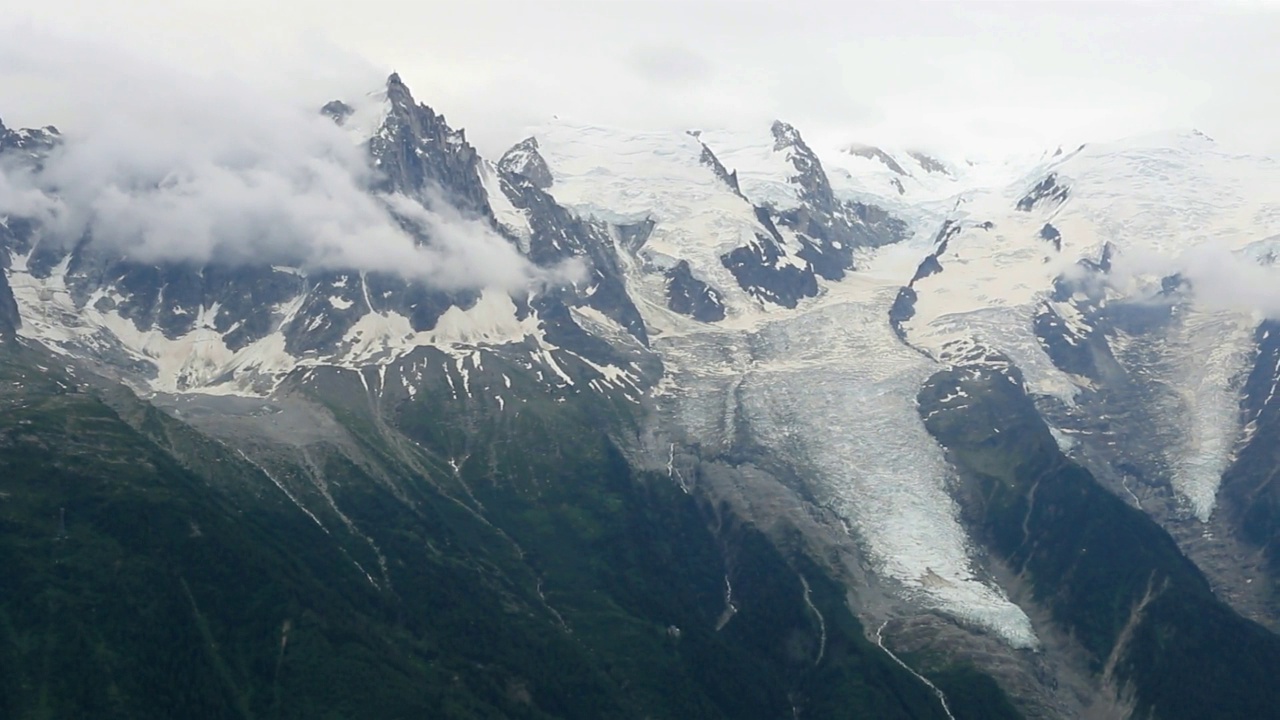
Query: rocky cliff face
[523,159]
[830,228]
[27,144]
[416,152]
[10,321]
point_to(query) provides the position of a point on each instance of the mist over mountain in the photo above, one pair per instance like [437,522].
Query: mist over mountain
[192,172]
[310,407]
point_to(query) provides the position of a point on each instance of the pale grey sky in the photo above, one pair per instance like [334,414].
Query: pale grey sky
[957,76]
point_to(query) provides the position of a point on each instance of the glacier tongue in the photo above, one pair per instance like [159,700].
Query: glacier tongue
[831,390]
[828,389]
[1201,360]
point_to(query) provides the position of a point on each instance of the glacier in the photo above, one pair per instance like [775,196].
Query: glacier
[829,388]
[831,391]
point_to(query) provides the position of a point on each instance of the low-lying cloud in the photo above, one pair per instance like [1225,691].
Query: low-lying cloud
[1219,278]
[179,168]
[1233,280]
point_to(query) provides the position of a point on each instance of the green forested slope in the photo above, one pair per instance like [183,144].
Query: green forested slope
[560,584]
[1109,574]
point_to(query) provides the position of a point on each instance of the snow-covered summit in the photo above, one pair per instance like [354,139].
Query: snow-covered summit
[523,159]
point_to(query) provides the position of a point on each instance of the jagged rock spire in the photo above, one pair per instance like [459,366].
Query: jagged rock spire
[417,152]
[524,159]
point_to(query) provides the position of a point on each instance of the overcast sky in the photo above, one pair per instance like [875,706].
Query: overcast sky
[953,77]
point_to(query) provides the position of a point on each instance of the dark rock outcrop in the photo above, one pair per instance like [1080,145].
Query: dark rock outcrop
[829,228]
[709,159]
[524,159]
[874,153]
[9,319]
[929,163]
[690,296]
[558,235]
[416,153]
[29,143]
[1051,233]
[1046,192]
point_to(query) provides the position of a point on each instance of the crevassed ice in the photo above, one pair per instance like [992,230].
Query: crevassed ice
[1205,357]
[833,391]
[828,388]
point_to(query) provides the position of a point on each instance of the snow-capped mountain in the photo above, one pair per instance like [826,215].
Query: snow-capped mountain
[795,331]
[241,330]
[1095,237]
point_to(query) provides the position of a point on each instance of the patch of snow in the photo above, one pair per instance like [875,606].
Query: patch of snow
[544,355]
[383,337]
[507,214]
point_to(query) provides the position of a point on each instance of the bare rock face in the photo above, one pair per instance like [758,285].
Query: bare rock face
[417,152]
[9,319]
[28,143]
[690,296]
[523,159]
[929,163]
[871,152]
[1047,192]
[709,159]
[830,228]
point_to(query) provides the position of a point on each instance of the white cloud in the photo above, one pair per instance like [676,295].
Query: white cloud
[173,165]
[1219,278]
[960,77]
[1224,280]
[670,64]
